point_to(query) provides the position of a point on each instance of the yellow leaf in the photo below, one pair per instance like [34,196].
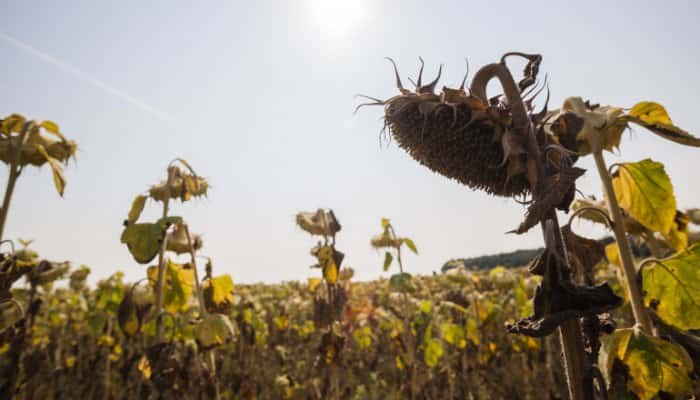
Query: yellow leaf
[654,117]
[645,191]
[136,208]
[650,113]
[52,127]
[12,123]
[218,293]
[59,179]
[385,223]
[612,253]
[70,362]
[654,364]
[313,284]
[145,367]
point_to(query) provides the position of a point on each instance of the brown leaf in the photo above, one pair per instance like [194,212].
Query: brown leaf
[586,252]
[555,189]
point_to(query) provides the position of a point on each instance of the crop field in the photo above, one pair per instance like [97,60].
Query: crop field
[585,319]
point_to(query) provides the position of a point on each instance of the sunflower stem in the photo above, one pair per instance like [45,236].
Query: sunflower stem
[15,170]
[641,317]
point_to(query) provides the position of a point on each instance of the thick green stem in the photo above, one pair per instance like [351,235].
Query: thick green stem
[641,317]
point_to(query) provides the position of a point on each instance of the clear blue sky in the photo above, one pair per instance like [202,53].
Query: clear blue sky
[258,96]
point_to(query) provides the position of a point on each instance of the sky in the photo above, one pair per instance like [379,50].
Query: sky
[259,97]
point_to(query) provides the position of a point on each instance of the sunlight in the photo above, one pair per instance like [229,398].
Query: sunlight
[337,18]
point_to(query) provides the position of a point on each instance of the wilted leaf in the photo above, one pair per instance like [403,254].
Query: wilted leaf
[654,117]
[388,258]
[179,285]
[677,236]
[672,288]
[385,223]
[654,364]
[645,191]
[214,330]
[409,243]
[612,254]
[144,240]
[52,127]
[59,179]
[136,208]
[313,284]
[218,293]
[553,191]
[12,123]
[400,282]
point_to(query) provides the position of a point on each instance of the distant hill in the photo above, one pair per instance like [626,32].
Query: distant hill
[516,258]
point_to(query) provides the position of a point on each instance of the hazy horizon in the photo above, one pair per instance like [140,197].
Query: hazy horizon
[259,99]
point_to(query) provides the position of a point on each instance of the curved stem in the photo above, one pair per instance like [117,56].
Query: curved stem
[197,286]
[12,244]
[510,89]
[570,331]
[17,305]
[600,212]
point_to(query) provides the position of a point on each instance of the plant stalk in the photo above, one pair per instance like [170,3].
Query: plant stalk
[570,332]
[641,317]
[15,170]
[160,285]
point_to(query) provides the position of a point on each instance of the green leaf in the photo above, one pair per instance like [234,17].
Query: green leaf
[433,351]
[179,285]
[409,243]
[136,208]
[59,179]
[645,191]
[454,334]
[400,282]
[672,287]
[654,364]
[363,337]
[144,240]
[654,117]
[388,258]
[214,330]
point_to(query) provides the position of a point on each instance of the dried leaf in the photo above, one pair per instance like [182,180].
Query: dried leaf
[59,178]
[554,191]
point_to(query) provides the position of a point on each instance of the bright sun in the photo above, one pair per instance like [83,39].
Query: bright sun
[337,18]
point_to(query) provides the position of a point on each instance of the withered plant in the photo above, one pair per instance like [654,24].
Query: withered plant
[328,304]
[498,144]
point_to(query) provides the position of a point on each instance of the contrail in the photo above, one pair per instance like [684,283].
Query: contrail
[85,77]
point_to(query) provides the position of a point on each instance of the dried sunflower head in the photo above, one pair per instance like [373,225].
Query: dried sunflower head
[183,185]
[458,135]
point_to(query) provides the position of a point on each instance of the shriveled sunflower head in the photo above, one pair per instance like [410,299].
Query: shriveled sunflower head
[458,135]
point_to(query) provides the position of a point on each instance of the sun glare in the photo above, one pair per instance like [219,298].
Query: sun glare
[337,18]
